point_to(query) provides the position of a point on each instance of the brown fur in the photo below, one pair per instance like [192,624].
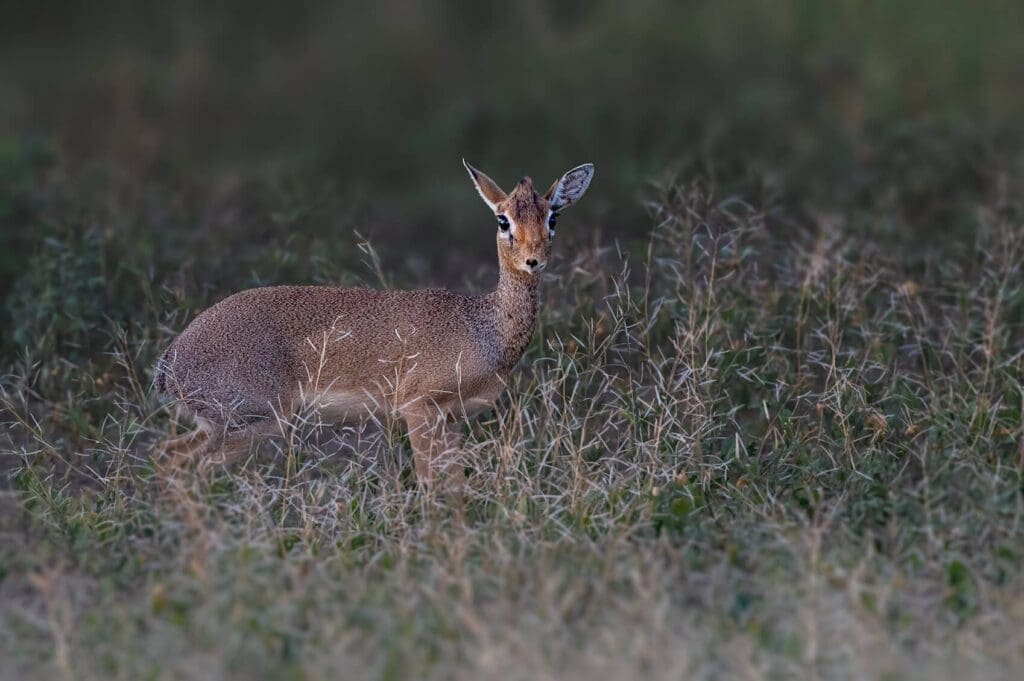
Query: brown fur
[430,356]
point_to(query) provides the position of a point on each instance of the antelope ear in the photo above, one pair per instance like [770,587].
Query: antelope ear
[489,191]
[568,189]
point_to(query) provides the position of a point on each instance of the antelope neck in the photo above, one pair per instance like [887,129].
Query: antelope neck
[516,301]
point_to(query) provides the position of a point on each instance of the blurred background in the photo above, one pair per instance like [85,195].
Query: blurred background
[207,146]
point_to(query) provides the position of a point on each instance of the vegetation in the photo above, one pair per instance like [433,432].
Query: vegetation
[771,425]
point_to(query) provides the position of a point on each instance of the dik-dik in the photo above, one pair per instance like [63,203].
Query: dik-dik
[430,356]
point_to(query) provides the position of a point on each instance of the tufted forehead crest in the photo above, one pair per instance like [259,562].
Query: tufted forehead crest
[525,204]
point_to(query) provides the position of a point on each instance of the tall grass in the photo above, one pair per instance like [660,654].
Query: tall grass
[759,444]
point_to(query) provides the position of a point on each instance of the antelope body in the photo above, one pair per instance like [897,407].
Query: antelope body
[429,356]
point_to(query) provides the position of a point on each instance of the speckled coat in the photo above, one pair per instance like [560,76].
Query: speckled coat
[349,351]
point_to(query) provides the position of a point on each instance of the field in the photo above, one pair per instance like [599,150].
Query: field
[771,424]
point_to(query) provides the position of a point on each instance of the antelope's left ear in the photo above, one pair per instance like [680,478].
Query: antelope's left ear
[568,189]
[488,189]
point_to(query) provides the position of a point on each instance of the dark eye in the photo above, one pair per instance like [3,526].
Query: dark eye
[552,219]
[503,223]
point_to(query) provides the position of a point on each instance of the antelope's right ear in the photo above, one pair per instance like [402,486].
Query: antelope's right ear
[568,189]
[489,191]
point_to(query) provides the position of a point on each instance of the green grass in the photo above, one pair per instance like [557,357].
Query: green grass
[772,422]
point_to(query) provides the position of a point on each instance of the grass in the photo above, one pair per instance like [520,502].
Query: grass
[758,445]
[772,422]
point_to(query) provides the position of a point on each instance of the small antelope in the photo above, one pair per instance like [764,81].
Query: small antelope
[429,356]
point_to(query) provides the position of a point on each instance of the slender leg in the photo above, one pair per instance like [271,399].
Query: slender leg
[435,448]
[182,442]
[211,445]
[177,453]
[174,454]
[225,448]
[451,455]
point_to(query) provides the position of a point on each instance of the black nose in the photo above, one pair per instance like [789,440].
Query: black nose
[531,262]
